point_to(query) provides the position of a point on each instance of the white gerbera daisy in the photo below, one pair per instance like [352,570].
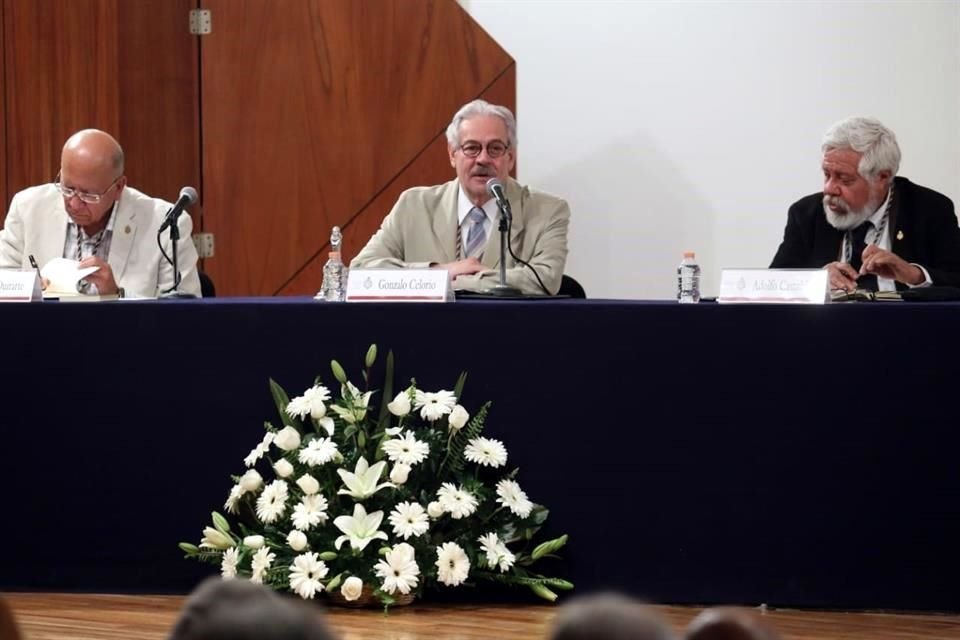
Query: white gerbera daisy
[455,501]
[486,452]
[306,572]
[497,553]
[453,565]
[261,561]
[235,493]
[398,569]
[228,566]
[513,497]
[318,451]
[407,450]
[311,511]
[272,502]
[434,405]
[409,520]
[259,450]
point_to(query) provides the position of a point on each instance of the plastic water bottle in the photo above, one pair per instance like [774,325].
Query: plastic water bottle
[334,287]
[688,279]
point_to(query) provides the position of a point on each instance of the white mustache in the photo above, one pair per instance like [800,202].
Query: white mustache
[837,201]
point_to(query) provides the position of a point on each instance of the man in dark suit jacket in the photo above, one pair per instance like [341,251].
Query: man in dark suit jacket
[868,223]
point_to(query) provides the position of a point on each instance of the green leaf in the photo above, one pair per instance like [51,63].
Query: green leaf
[549,547]
[371,356]
[189,549]
[220,523]
[384,416]
[281,399]
[542,591]
[454,460]
[458,388]
[338,372]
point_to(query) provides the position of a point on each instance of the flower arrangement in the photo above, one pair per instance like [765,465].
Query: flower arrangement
[378,504]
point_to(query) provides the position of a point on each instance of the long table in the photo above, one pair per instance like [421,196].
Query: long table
[787,455]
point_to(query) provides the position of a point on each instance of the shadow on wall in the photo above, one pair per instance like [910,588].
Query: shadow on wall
[632,252]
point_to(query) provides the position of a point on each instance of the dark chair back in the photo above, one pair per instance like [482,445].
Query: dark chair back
[207,290]
[570,287]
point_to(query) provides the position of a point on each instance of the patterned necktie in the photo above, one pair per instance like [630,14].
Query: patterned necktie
[477,236]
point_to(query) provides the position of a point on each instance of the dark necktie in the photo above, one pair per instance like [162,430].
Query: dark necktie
[858,242]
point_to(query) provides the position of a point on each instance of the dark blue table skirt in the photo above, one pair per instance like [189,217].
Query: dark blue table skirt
[801,456]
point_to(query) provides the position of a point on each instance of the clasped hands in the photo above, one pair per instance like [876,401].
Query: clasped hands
[466,267]
[880,262]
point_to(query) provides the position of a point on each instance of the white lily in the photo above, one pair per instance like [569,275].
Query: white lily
[214,539]
[360,528]
[362,483]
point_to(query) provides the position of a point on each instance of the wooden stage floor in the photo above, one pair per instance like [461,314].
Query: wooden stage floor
[114,617]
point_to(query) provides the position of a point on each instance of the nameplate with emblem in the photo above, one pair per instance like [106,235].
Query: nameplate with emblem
[777,286]
[20,286]
[398,285]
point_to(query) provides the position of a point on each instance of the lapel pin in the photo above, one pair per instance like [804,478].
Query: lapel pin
[899,235]
[126,229]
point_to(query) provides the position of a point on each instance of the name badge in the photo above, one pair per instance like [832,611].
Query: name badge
[399,285]
[783,286]
[20,286]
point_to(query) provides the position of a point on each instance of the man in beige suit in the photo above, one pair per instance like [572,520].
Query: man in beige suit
[454,226]
[89,214]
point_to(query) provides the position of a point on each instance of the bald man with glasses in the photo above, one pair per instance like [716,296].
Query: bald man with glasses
[454,226]
[90,215]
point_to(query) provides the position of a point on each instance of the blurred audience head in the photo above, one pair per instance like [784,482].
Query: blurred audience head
[608,616]
[8,623]
[730,623]
[240,610]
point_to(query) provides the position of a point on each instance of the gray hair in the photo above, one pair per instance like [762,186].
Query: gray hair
[482,108]
[868,136]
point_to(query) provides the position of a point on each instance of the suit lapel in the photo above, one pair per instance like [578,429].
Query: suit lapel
[445,227]
[50,245]
[124,231]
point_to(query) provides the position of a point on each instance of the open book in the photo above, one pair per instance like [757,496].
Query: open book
[63,275]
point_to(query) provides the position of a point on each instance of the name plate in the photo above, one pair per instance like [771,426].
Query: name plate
[399,285]
[20,286]
[783,286]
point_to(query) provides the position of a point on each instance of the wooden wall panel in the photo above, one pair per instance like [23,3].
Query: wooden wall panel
[312,107]
[429,167]
[4,202]
[127,67]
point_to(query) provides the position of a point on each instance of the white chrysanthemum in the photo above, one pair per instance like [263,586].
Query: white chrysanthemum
[486,452]
[236,492]
[318,451]
[306,572]
[407,449]
[299,407]
[497,553]
[434,405]
[310,403]
[272,502]
[398,569]
[513,497]
[453,565]
[409,520]
[311,511]
[259,450]
[455,501]
[261,561]
[228,566]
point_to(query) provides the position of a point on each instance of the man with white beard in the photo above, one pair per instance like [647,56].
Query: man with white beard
[870,228]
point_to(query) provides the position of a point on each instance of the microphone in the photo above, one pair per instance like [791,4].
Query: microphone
[188,196]
[495,189]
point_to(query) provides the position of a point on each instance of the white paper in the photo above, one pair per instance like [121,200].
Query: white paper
[64,275]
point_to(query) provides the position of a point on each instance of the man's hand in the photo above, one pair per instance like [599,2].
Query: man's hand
[886,264]
[462,267]
[102,278]
[842,276]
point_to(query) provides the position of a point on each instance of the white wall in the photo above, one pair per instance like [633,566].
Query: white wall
[673,126]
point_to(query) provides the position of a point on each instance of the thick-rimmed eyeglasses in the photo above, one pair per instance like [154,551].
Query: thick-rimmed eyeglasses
[89,198]
[495,149]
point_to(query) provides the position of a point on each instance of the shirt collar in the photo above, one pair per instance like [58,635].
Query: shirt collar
[465,205]
[881,210]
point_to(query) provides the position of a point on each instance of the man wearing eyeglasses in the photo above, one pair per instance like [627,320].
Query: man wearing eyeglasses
[454,226]
[90,215]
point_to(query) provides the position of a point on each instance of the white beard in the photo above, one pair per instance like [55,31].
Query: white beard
[850,219]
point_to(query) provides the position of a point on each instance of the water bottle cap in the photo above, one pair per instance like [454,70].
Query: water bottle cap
[334,254]
[689,254]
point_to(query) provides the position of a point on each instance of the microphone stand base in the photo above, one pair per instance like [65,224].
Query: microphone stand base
[504,291]
[177,295]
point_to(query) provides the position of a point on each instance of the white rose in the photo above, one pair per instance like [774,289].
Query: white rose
[283,468]
[400,405]
[308,484]
[297,540]
[251,480]
[457,418]
[317,409]
[352,588]
[399,473]
[253,542]
[287,438]
[434,510]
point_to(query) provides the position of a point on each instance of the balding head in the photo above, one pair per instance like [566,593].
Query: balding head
[730,623]
[91,166]
[95,149]
[608,616]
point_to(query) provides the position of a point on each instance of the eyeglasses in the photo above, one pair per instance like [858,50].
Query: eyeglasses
[495,149]
[89,198]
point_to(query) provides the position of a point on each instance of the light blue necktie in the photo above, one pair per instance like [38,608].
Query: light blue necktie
[477,236]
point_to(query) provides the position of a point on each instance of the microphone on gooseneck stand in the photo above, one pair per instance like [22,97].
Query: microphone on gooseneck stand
[495,189]
[188,196]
